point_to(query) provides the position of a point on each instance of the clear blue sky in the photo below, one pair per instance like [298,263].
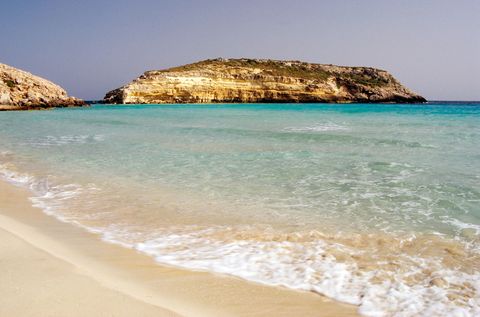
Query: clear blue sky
[90,47]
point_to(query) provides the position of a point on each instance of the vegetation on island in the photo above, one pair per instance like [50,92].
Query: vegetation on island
[363,75]
[10,83]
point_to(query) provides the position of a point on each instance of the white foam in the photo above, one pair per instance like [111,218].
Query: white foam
[51,140]
[48,197]
[309,267]
[298,265]
[461,225]
[14,177]
[329,126]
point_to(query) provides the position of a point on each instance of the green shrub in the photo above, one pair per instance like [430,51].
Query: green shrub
[10,83]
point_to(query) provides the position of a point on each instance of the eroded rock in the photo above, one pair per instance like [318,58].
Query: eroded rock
[20,90]
[256,80]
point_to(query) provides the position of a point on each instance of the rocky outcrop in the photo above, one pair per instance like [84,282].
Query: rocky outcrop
[20,90]
[257,80]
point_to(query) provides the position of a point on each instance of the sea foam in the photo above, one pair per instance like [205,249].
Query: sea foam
[321,127]
[302,261]
[402,202]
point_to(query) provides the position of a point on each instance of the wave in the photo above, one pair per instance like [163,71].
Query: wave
[407,285]
[51,140]
[384,275]
[329,126]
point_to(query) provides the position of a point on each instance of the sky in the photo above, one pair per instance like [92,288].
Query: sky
[91,47]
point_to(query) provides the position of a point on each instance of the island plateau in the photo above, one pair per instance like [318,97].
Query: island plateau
[263,81]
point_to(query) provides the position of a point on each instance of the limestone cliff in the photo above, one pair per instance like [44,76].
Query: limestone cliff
[257,80]
[20,90]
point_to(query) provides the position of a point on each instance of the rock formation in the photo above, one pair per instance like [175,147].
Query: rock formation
[257,80]
[20,90]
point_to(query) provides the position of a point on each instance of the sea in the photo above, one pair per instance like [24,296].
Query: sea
[376,205]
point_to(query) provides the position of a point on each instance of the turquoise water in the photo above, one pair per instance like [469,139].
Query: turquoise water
[352,201]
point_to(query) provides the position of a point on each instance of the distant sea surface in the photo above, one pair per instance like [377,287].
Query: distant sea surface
[376,205]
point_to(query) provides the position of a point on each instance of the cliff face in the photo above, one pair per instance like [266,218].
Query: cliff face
[254,80]
[20,90]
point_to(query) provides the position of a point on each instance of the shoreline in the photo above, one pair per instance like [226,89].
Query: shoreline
[55,288]
[124,275]
[30,108]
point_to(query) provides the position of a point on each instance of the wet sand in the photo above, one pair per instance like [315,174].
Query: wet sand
[61,270]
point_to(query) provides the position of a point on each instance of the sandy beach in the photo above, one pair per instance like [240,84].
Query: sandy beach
[228,158]
[35,283]
[61,270]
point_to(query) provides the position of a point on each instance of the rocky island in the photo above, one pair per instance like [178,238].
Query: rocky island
[20,90]
[262,80]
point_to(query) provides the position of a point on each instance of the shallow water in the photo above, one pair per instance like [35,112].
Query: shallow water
[375,205]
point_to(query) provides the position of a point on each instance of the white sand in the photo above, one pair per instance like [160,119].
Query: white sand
[51,268]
